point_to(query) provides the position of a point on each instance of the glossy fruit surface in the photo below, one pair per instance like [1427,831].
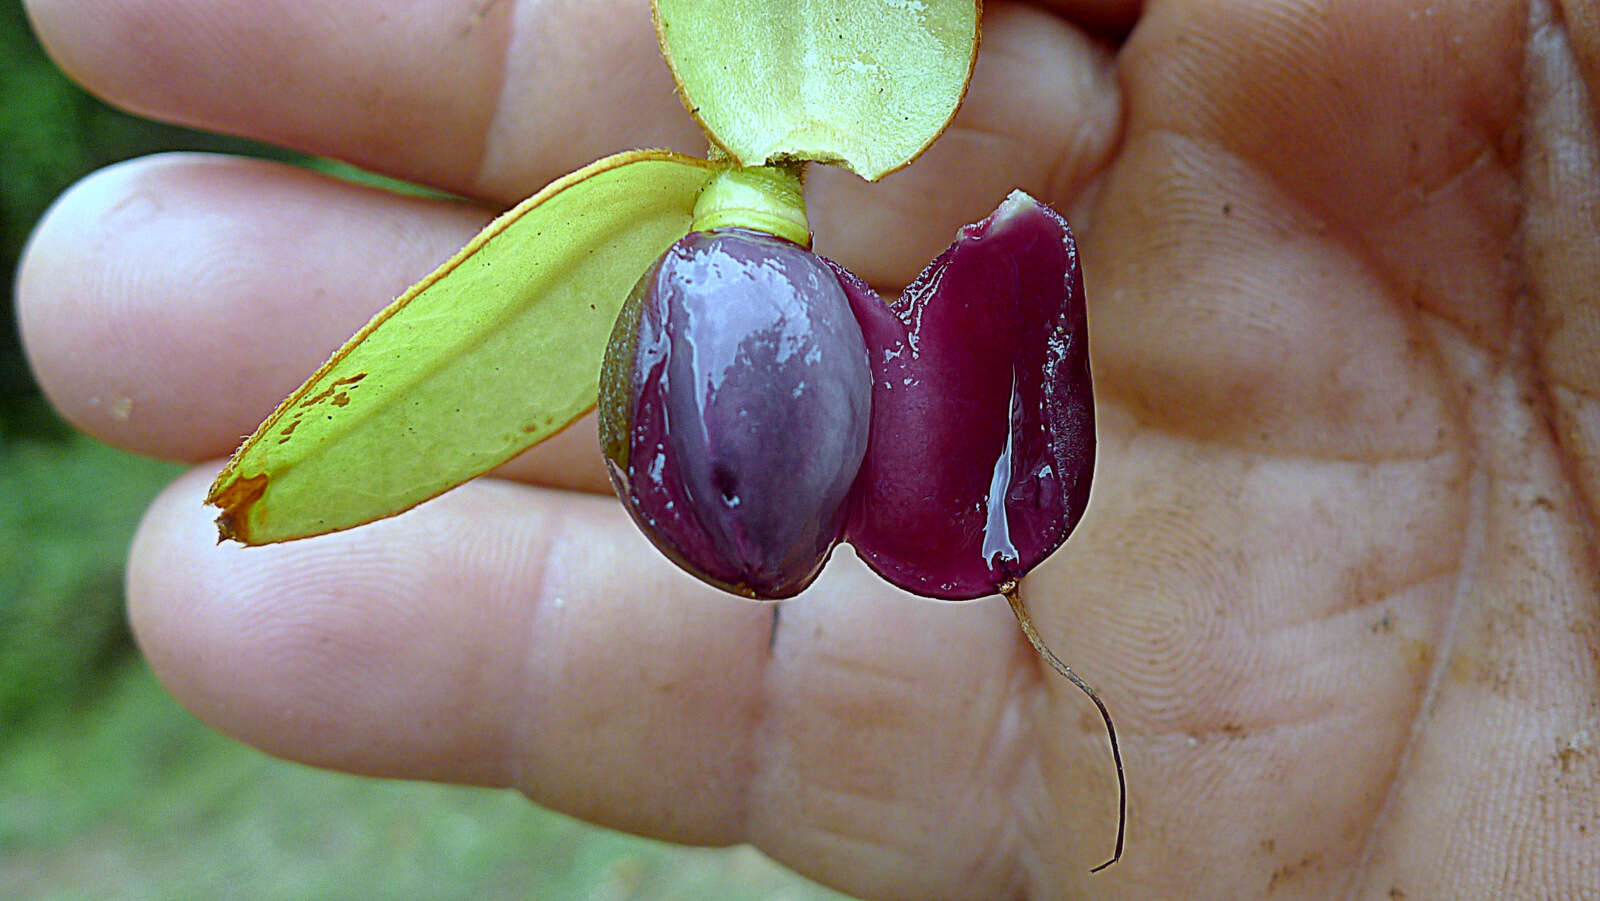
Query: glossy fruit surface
[734,409]
[982,438]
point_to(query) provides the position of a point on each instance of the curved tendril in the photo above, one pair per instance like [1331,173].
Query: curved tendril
[1012,590]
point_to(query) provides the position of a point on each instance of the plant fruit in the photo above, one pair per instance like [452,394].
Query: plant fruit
[758,403]
[734,406]
[982,444]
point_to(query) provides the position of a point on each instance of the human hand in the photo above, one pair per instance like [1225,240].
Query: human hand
[1337,581]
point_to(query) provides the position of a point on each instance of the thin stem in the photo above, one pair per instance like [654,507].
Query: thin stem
[1012,590]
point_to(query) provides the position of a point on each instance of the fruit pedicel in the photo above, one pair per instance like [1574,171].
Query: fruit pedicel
[758,404]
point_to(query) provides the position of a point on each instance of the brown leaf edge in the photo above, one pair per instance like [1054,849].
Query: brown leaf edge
[235,494]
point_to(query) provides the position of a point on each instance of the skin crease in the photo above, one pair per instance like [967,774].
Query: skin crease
[1337,580]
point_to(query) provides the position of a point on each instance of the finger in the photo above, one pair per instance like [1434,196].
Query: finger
[507,635]
[168,304]
[1562,256]
[494,101]
[1504,748]
[489,99]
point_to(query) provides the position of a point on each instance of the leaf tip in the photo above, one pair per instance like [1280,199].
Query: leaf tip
[235,497]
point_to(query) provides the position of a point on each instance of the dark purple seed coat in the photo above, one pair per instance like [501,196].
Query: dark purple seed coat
[734,409]
[982,438]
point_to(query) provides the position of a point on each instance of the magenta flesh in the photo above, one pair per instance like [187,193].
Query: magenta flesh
[982,437]
[734,409]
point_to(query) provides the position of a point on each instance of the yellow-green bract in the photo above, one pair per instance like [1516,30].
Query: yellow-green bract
[495,351]
[867,86]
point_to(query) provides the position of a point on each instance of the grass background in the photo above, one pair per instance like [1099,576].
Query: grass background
[107,788]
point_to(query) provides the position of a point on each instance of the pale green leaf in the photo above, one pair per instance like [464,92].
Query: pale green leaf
[867,85]
[495,351]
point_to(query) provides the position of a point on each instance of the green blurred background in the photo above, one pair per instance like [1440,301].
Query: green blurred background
[107,788]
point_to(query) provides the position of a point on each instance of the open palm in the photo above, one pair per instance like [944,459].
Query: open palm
[1338,581]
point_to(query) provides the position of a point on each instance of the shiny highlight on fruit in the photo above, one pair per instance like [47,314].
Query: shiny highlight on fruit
[759,404]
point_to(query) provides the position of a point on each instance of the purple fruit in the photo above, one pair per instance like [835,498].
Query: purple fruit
[982,439]
[759,402]
[734,409]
